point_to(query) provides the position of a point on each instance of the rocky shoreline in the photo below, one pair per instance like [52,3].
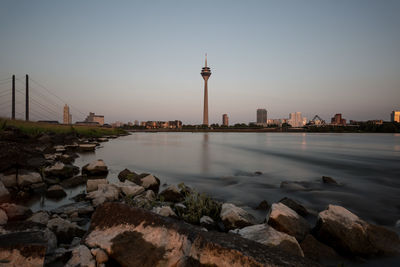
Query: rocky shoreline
[133,223]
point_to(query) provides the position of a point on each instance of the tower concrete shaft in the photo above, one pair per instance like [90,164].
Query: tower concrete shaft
[205,73]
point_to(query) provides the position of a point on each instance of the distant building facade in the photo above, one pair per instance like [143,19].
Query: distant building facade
[296,119]
[338,120]
[136,123]
[395,116]
[262,116]
[225,120]
[67,118]
[93,118]
[162,124]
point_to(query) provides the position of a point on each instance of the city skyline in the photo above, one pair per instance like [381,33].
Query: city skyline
[312,57]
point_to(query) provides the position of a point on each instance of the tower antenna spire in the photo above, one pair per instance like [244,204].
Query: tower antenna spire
[206,60]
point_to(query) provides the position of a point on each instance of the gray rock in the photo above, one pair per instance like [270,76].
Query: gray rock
[165,211]
[150,182]
[129,188]
[265,234]
[81,256]
[61,170]
[105,192]
[328,180]
[286,220]
[95,168]
[65,230]
[235,217]
[170,242]
[87,147]
[82,208]
[171,194]
[41,217]
[55,191]
[92,184]
[297,207]
[347,233]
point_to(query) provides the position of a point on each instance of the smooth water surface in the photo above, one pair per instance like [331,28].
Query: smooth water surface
[223,164]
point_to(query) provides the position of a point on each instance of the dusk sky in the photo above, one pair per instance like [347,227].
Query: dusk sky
[141,60]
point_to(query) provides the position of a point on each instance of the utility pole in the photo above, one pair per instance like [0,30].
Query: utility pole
[13,98]
[27,98]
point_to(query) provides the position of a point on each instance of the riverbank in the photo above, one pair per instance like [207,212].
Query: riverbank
[144,213]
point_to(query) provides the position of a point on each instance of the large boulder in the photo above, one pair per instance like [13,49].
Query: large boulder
[317,251]
[23,248]
[165,241]
[81,256]
[265,234]
[286,220]
[95,168]
[297,207]
[171,194]
[65,230]
[93,184]
[4,193]
[55,191]
[105,192]
[61,170]
[347,233]
[235,217]
[15,212]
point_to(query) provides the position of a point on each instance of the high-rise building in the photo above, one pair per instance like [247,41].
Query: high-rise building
[395,116]
[67,118]
[296,119]
[262,116]
[205,73]
[338,120]
[136,123]
[225,120]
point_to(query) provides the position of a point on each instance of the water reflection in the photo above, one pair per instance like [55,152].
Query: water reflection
[205,155]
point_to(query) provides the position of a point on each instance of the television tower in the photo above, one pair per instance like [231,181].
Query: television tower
[205,73]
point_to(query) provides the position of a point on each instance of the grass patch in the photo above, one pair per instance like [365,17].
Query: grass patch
[36,128]
[197,206]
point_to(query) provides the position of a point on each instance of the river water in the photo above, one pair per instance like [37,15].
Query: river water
[224,164]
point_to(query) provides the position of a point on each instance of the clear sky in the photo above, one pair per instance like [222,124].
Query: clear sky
[141,60]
